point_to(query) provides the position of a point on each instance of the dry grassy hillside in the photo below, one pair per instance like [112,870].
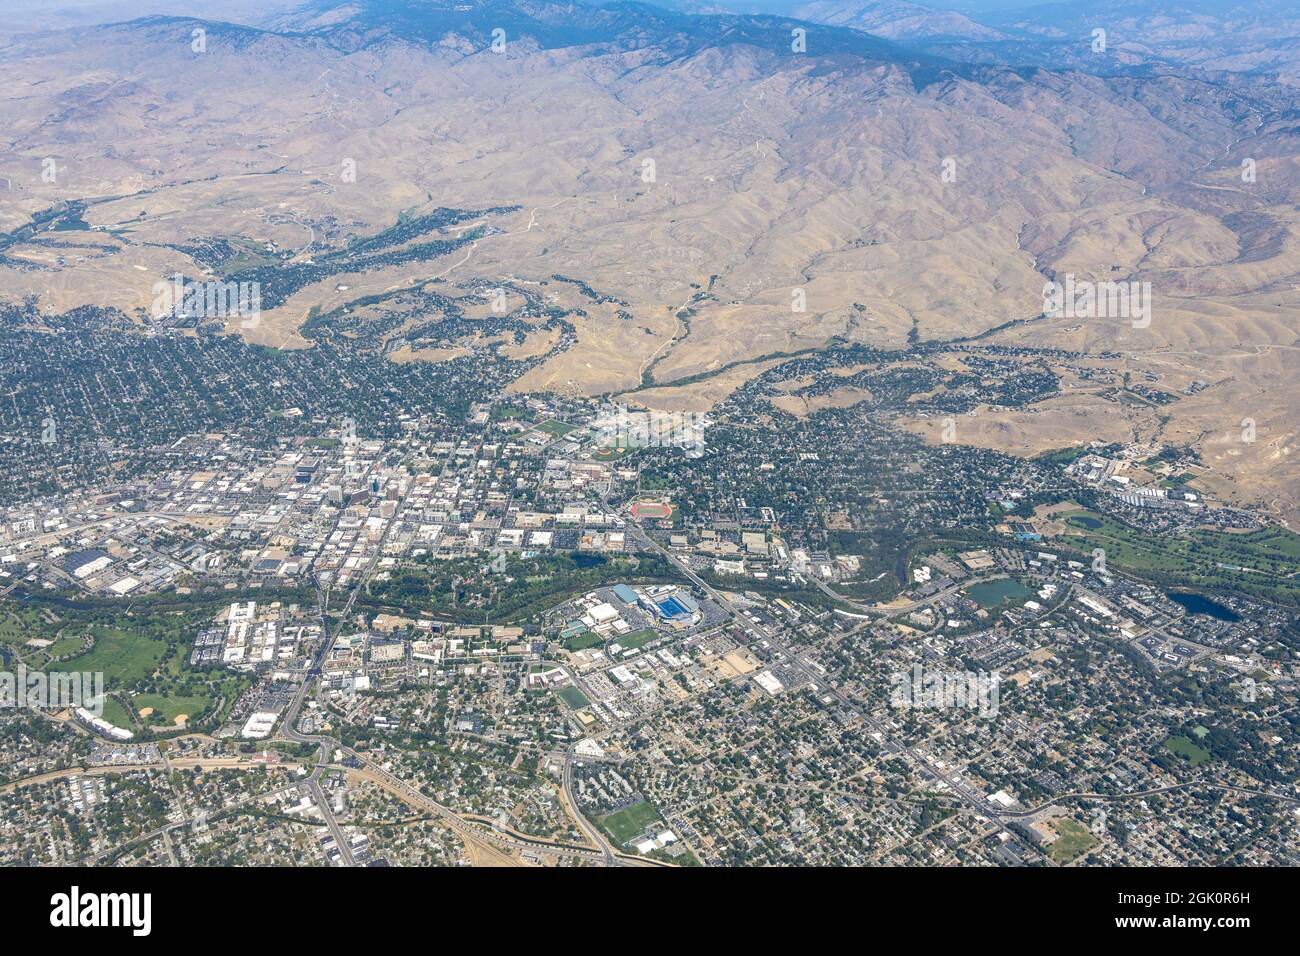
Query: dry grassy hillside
[897,202]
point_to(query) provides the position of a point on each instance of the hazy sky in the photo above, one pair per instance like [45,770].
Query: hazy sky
[23,15]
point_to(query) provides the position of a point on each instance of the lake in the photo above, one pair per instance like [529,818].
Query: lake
[990,594]
[1199,604]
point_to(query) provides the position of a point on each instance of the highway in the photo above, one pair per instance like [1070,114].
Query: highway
[593,834]
[322,804]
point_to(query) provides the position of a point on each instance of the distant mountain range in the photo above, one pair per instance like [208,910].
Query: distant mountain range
[1210,34]
[623,25]
[897,20]
[1226,35]
[1215,35]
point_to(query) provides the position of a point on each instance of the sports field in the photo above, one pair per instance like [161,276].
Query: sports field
[631,821]
[1186,748]
[574,697]
[1072,840]
[635,639]
[556,428]
[652,509]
